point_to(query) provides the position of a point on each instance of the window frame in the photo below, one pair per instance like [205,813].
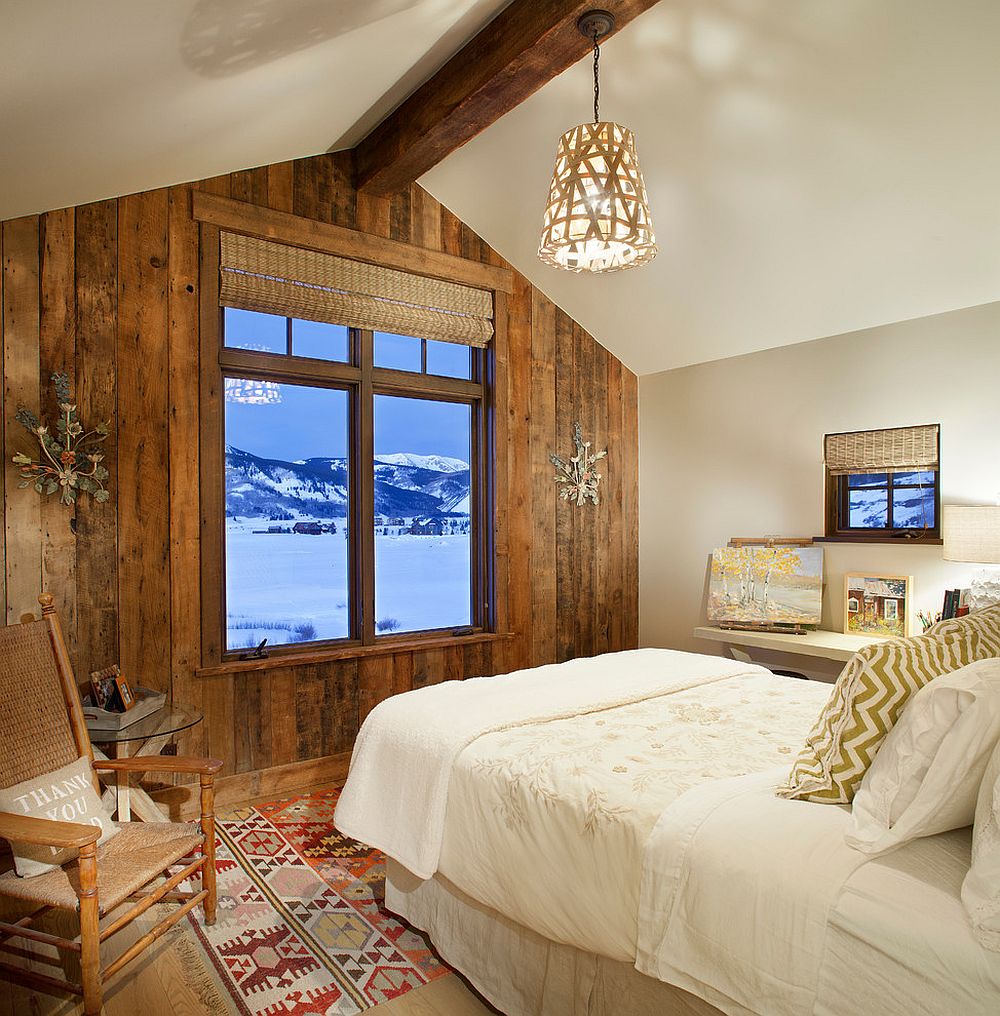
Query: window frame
[837,510]
[363,381]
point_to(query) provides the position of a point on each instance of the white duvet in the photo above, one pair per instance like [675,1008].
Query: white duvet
[396,796]
[547,823]
[738,887]
[623,805]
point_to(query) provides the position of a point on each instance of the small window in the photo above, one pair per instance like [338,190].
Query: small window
[891,610]
[398,352]
[883,484]
[449,359]
[250,329]
[852,605]
[320,341]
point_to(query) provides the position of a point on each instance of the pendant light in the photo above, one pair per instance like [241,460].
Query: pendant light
[597,217]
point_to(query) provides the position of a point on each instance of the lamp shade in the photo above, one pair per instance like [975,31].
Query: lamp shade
[597,217]
[972,533]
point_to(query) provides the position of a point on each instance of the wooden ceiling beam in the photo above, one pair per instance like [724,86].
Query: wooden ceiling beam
[525,46]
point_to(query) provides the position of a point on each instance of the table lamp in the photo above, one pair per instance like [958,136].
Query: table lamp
[972,534]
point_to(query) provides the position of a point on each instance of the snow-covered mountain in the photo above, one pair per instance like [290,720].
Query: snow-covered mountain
[406,485]
[437,463]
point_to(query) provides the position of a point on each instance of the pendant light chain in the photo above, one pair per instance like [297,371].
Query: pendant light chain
[597,78]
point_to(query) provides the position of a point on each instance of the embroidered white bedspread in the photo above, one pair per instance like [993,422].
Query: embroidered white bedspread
[396,794]
[547,823]
[737,890]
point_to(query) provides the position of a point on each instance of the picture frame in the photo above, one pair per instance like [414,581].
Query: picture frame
[878,604]
[125,693]
[102,686]
[111,690]
[769,583]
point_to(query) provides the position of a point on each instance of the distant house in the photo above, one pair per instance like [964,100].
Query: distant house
[876,601]
[330,527]
[432,527]
[309,528]
[396,522]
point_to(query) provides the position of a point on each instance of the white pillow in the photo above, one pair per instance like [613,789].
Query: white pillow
[66,795]
[926,776]
[981,888]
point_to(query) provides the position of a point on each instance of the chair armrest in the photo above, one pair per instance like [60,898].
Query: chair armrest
[45,832]
[159,764]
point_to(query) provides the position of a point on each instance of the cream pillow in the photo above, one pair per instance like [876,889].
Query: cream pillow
[926,776]
[863,707]
[985,622]
[981,888]
[67,795]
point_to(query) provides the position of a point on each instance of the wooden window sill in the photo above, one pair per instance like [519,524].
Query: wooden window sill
[897,541]
[391,645]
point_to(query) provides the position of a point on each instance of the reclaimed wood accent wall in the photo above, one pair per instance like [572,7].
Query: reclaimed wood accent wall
[108,292]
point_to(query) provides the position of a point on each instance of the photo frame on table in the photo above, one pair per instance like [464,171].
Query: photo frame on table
[111,690]
[877,604]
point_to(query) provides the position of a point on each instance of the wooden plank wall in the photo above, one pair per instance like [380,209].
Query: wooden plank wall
[109,293]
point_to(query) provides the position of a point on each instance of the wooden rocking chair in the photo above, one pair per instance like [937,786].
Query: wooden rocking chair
[42,729]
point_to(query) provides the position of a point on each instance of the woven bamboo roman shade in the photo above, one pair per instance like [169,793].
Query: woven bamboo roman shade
[273,278]
[882,451]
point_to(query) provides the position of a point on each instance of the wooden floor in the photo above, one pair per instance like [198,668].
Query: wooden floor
[174,976]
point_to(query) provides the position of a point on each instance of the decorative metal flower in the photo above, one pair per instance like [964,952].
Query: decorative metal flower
[578,477]
[71,461]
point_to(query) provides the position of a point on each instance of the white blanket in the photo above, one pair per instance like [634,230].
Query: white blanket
[737,888]
[396,793]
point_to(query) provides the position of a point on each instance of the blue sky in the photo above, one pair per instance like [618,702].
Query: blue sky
[312,422]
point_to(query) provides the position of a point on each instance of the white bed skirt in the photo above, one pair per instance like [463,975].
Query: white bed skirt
[519,971]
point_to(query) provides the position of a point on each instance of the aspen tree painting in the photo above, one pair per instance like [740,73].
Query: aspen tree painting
[766,585]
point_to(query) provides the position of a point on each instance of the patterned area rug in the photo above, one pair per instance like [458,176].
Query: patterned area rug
[301,929]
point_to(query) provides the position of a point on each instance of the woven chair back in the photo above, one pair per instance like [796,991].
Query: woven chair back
[35,731]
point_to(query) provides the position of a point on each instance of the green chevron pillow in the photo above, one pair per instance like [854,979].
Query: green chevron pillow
[985,622]
[865,703]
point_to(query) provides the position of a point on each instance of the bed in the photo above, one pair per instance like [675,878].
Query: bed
[571,819]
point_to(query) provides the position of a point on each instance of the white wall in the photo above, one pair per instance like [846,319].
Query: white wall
[735,448]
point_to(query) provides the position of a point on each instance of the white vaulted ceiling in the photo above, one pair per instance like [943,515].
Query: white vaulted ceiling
[813,166]
[105,97]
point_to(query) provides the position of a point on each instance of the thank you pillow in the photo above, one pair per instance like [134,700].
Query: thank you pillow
[66,795]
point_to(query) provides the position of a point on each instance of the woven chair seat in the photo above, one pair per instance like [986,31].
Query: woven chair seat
[126,863]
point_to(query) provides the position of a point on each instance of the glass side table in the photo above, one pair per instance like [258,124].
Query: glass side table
[147,736]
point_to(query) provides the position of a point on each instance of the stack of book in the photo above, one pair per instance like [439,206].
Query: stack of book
[956,603]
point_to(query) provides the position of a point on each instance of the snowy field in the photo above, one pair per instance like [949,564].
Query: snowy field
[292,587]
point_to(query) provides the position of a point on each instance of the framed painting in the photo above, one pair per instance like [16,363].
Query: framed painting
[777,586]
[878,605]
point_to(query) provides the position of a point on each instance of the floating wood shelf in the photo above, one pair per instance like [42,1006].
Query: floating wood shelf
[829,645]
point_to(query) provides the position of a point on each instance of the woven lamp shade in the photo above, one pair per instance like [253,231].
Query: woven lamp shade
[597,217]
[972,533]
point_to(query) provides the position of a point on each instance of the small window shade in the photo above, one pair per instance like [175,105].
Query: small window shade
[273,278]
[901,449]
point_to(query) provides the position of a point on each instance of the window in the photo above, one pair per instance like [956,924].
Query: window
[891,610]
[354,484]
[883,484]
[852,605]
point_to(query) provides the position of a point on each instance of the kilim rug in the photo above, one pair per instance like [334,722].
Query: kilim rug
[302,929]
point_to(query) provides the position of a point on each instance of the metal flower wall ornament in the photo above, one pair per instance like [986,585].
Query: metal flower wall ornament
[578,478]
[70,460]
